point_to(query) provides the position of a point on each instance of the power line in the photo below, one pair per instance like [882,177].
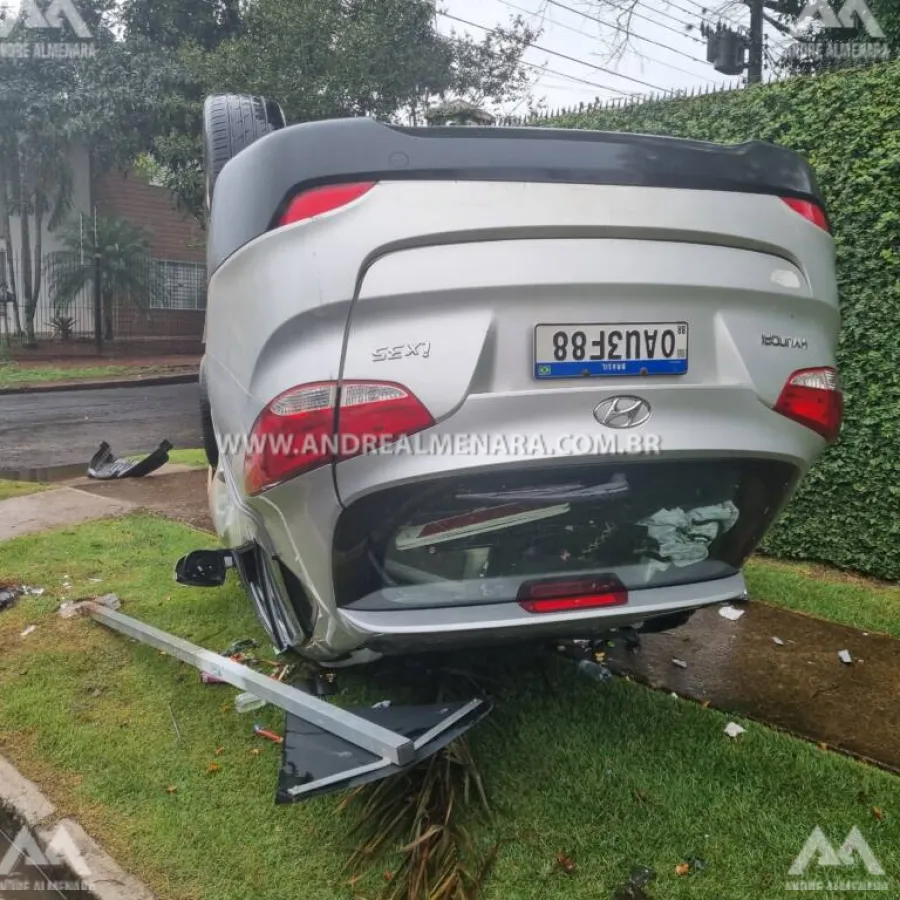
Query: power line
[689,12]
[637,15]
[636,37]
[581,62]
[668,15]
[593,84]
[703,7]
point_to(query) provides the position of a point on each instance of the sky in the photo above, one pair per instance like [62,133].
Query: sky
[662,56]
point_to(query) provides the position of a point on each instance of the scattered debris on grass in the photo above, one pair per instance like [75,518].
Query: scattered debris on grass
[8,596]
[730,613]
[29,630]
[171,789]
[259,731]
[593,670]
[634,888]
[566,863]
[9,593]
[248,703]
[421,810]
[69,609]
[690,866]
[878,812]
[733,730]
[213,768]
[845,657]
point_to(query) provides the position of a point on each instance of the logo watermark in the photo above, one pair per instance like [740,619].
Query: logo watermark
[25,865]
[38,17]
[833,19]
[854,857]
[424,444]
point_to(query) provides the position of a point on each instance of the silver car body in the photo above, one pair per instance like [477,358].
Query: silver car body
[438,284]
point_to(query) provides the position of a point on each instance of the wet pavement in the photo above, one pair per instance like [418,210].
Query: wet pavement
[801,686]
[67,428]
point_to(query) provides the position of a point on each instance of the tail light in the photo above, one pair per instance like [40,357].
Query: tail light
[316,424]
[810,211]
[327,198]
[571,595]
[813,398]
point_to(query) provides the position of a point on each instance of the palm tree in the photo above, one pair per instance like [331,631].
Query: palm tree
[115,247]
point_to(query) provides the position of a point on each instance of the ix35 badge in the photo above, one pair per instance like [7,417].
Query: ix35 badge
[791,343]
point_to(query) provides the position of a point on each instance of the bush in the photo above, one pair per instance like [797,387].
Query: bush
[847,124]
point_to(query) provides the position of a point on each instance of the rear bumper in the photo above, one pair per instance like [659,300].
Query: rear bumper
[432,629]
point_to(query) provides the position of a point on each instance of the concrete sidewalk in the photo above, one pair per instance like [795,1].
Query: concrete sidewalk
[178,492]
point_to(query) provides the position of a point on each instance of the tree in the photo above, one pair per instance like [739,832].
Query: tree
[331,59]
[116,249]
[109,104]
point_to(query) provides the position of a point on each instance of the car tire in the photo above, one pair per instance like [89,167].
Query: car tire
[208,433]
[232,122]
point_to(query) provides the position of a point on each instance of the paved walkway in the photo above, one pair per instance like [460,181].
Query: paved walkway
[800,686]
[178,492]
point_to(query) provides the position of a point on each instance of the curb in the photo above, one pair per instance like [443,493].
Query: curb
[59,387]
[24,801]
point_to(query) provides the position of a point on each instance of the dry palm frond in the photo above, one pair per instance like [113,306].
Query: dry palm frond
[420,814]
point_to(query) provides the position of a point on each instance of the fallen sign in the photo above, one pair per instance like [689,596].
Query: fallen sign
[327,748]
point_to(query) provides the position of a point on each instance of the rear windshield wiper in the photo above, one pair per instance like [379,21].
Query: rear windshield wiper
[560,493]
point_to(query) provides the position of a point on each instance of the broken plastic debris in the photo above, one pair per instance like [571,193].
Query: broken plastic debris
[680,663]
[105,466]
[732,729]
[29,630]
[593,670]
[248,702]
[32,592]
[382,704]
[634,890]
[778,641]
[730,613]
[845,657]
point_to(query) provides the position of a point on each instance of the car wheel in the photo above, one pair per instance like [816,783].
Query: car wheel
[232,122]
[210,447]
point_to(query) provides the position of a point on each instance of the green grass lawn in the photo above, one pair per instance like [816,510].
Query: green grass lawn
[195,458]
[614,775]
[14,374]
[826,593]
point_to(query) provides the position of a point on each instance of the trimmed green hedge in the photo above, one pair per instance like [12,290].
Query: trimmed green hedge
[847,124]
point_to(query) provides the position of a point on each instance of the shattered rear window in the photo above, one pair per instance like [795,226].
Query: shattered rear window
[651,524]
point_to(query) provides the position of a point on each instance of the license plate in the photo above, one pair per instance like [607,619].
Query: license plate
[630,348]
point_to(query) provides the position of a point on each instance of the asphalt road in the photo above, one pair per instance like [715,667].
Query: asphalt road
[66,428]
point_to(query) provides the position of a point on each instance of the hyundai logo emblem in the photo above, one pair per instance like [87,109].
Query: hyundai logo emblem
[622,412]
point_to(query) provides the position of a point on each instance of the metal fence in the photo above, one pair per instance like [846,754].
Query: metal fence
[159,303]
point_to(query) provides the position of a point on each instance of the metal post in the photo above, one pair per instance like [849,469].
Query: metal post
[755,67]
[354,729]
[98,302]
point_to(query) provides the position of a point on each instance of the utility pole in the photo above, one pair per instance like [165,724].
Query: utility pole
[755,67]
